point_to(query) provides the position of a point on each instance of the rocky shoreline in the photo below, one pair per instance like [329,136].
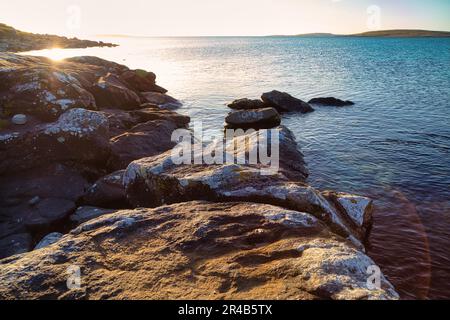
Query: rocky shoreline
[18,41]
[87,180]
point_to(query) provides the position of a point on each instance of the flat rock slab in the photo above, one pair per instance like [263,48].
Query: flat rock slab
[331,101]
[196,250]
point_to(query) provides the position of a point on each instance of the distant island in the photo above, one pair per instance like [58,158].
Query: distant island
[18,41]
[400,33]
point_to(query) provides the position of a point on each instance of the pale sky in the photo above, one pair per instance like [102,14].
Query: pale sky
[221,17]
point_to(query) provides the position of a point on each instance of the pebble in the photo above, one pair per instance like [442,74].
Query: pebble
[19,119]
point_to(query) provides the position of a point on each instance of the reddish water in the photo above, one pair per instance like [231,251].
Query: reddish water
[411,243]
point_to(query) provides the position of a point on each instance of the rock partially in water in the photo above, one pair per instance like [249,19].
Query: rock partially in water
[48,240]
[164,101]
[107,192]
[15,244]
[331,101]
[266,118]
[284,102]
[110,92]
[247,104]
[196,250]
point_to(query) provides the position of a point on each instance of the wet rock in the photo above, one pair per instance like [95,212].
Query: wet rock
[247,104]
[144,140]
[110,92]
[15,244]
[266,118]
[107,192]
[86,213]
[284,102]
[19,119]
[48,240]
[151,112]
[164,101]
[141,81]
[331,101]
[196,250]
[78,135]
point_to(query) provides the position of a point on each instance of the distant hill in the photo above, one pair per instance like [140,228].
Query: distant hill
[404,33]
[15,41]
[400,33]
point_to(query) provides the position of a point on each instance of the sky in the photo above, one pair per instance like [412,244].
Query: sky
[222,17]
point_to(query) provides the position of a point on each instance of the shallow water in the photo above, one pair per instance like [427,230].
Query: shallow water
[393,145]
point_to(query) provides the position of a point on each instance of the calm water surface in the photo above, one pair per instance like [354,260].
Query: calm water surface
[393,145]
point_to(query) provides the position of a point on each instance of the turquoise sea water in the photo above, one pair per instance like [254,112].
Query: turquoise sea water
[393,145]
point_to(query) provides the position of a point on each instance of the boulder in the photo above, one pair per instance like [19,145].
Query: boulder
[247,104]
[35,86]
[110,92]
[164,101]
[284,102]
[15,244]
[141,81]
[48,240]
[144,140]
[266,118]
[78,135]
[86,213]
[107,192]
[196,250]
[330,101]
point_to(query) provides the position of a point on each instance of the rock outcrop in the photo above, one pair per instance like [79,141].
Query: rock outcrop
[330,101]
[284,102]
[266,118]
[195,250]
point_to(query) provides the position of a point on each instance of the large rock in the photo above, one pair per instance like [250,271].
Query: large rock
[144,140]
[266,118]
[196,250]
[36,86]
[284,102]
[110,92]
[331,101]
[48,240]
[78,135]
[107,192]
[164,101]
[141,81]
[247,104]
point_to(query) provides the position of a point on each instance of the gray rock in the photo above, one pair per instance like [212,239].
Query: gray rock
[284,102]
[107,192]
[86,213]
[164,101]
[48,240]
[266,118]
[110,92]
[19,119]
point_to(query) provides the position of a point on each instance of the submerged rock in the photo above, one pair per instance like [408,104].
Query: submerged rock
[284,102]
[247,104]
[266,118]
[330,101]
[196,250]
